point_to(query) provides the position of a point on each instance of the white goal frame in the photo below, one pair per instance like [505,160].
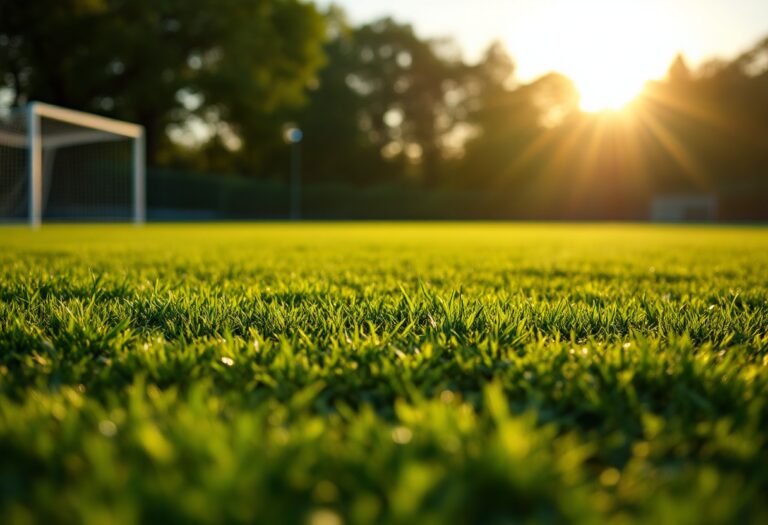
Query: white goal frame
[37,110]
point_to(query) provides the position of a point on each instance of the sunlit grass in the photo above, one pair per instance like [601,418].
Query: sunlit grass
[383,373]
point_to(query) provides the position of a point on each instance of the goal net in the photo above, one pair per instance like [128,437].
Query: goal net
[62,165]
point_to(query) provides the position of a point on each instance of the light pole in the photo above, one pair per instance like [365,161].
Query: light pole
[293,136]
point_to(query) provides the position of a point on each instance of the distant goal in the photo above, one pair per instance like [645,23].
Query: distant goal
[58,164]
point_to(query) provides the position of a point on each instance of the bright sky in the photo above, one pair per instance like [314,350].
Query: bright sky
[584,39]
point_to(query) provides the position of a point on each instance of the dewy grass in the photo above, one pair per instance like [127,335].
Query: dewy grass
[381,373]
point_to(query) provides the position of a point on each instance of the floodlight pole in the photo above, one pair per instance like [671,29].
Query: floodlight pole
[139,180]
[296,180]
[34,166]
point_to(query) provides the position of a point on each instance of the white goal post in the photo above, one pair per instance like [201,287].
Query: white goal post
[80,173]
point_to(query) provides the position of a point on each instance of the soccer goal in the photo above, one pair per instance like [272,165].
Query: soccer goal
[58,164]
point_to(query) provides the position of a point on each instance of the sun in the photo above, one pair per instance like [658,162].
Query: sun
[609,48]
[607,92]
[606,98]
[612,54]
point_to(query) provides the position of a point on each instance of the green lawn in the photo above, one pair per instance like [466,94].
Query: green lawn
[384,373]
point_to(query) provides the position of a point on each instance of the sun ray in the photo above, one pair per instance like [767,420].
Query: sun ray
[690,165]
[572,140]
[703,113]
[633,162]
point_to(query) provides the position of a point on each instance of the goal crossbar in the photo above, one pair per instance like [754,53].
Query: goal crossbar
[87,120]
[100,130]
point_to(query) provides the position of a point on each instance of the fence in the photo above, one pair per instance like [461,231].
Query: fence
[174,195]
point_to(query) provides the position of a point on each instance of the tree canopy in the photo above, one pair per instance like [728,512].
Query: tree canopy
[167,64]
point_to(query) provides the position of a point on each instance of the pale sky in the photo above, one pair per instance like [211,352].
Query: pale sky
[546,35]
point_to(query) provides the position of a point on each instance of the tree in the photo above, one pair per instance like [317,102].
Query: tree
[338,145]
[509,120]
[225,64]
[383,106]
[679,72]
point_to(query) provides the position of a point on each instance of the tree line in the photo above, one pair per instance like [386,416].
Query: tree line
[215,82]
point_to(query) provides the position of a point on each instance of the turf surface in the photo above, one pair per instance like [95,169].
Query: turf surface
[410,373]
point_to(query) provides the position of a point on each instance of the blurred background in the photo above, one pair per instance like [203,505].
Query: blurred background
[484,109]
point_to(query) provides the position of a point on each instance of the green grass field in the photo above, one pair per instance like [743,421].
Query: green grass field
[373,373]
